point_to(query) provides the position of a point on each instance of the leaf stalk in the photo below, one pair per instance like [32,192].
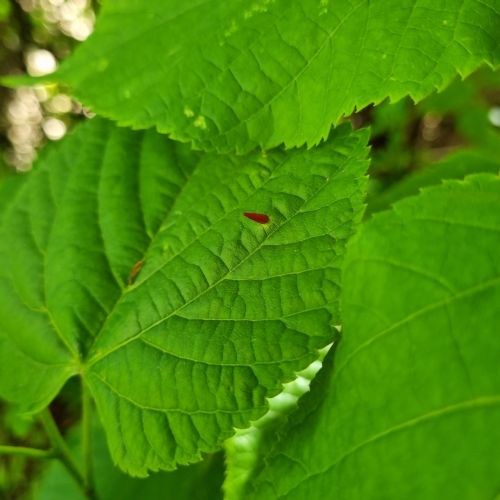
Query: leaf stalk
[86,437]
[62,452]
[23,451]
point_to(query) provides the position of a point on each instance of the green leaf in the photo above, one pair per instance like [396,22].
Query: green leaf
[412,406]
[178,352]
[234,75]
[198,482]
[456,166]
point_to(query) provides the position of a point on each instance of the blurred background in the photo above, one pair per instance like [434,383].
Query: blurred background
[412,145]
[34,36]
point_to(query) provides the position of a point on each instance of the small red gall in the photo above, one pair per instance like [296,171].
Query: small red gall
[135,271]
[260,218]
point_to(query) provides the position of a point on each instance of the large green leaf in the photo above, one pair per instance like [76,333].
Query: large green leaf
[233,74]
[224,309]
[412,406]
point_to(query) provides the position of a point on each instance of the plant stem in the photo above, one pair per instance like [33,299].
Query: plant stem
[60,448]
[86,438]
[26,452]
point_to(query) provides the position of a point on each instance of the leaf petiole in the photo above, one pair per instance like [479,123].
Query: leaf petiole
[62,452]
[24,451]
[86,437]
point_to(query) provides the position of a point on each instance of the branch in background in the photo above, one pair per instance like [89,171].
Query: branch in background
[24,451]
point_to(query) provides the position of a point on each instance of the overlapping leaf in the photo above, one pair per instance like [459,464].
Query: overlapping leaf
[412,403]
[126,258]
[233,75]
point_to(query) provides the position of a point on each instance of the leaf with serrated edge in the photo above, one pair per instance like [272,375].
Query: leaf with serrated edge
[219,314]
[412,405]
[232,75]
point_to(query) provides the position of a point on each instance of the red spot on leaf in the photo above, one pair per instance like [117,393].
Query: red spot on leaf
[260,218]
[135,271]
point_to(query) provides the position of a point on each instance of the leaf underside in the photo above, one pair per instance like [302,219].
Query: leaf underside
[412,406]
[126,258]
[234,75]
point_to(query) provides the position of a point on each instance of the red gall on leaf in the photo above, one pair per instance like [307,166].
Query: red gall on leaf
[135,271]
[260,218]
